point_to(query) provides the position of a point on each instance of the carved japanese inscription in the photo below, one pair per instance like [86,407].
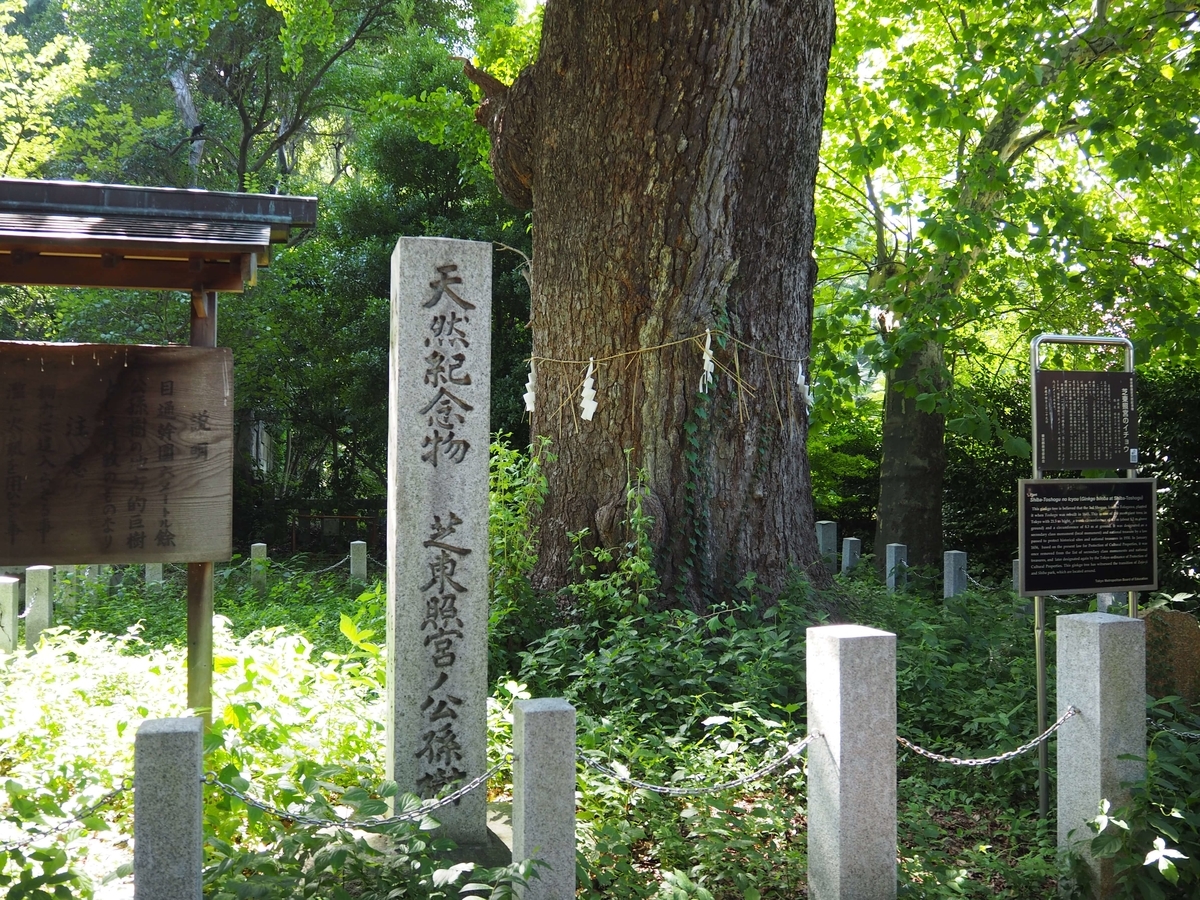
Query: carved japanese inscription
[115,454]
[439,397]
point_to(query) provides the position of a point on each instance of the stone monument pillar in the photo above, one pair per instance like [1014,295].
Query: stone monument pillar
[439,406]
[9,605]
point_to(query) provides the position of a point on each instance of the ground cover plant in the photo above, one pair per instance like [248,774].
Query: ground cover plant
[665,695]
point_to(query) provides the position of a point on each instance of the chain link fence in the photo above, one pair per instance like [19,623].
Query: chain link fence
[336,565]
[792,752]
[1159,726]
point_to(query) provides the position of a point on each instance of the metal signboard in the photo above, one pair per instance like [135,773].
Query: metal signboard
[1082,535]
[1086,535]
[115,454]
[1085,420]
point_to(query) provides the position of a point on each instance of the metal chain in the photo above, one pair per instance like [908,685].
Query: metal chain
[377,562]
[37,835]
[983,587]
[674,791]
[1190,735]
[336,565]
[991,760]
[427,806]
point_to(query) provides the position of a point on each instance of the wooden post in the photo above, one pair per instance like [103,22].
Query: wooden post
[200,574]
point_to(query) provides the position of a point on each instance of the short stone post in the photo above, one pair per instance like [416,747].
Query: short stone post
[10,600]
[543,810]
[358,560]
[154,575]
[168,838]
[1102,673]
[851,763]
[258,567]
[851,554]
[1104,601]
[1016,576]
[39,603]
[897,567]
[827,543]
[954,573]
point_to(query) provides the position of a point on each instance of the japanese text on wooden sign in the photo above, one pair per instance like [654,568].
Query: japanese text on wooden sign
[115,454]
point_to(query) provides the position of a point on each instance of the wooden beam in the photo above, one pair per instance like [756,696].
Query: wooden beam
[200,639]
[200,574]
[81,198]
[134,274]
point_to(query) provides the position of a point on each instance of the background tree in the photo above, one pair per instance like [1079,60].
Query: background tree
[669,156]
[994,171]
[310,341]
[34,79]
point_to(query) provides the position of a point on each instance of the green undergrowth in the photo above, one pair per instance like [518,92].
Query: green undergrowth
[296,598]
[664,695]
[297,728]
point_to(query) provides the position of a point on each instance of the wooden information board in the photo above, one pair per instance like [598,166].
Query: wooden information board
[115,454]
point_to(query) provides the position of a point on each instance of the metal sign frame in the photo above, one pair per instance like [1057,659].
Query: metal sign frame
[1039,603]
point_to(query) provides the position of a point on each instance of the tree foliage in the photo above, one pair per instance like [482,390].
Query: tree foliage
[310,341]
[992,171]
[34,80]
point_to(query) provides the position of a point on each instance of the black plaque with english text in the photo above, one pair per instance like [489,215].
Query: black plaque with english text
[1087,535]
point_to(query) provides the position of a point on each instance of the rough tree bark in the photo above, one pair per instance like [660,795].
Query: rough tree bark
[912,466]
[191,122]
[669,153]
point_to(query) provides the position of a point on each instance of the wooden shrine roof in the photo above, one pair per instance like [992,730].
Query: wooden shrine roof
[103,235]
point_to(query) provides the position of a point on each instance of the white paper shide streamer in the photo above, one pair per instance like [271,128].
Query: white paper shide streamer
[805,388]
[706,378]
[587,401]
[530,393]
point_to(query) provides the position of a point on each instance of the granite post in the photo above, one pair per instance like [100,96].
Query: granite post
[1016,576]
[851,763]
[39,603]
[896,559]
[10,601]
[168,838]
[954,573]
[1105,600]
[851,554]
[358,560]
[439,402]
[543,810]
[154,574]
[827,543]
[1102,673]
[258,567]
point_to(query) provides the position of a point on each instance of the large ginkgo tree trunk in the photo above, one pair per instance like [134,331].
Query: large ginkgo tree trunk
[669,151]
